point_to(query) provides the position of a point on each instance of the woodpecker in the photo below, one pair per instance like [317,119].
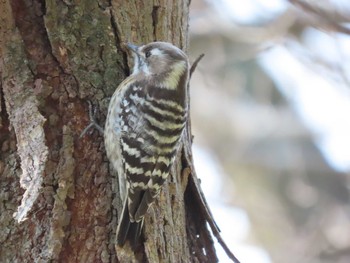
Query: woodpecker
[146,118]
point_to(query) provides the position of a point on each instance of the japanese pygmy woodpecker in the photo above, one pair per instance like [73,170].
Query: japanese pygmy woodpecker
[145,122]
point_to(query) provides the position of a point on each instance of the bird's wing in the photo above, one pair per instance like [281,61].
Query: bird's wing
[148,145]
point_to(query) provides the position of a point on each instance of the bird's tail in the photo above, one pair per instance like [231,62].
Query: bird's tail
[128,231]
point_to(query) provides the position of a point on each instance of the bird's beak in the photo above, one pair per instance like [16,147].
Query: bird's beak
[133,48]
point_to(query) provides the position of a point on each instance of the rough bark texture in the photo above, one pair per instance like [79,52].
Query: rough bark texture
[59,199]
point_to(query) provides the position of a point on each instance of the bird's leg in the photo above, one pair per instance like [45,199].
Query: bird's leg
[93,122]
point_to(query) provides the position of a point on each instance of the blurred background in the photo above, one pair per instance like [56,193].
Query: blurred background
[270,109]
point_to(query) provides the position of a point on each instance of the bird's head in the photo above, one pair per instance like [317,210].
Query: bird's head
[161,61]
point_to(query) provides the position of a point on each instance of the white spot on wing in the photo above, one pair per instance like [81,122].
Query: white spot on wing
[133,170]
[164,125]
[131,151]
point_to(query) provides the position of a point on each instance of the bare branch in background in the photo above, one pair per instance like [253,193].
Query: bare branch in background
[326,19]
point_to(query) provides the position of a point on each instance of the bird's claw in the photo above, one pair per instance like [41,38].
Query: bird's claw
[93,122]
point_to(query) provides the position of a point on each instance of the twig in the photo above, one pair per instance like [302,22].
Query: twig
[204,207]
[209,218]
[195,63]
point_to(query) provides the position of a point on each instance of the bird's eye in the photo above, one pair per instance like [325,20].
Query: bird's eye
[148,54]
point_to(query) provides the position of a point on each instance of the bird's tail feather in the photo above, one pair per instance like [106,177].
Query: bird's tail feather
[128,231]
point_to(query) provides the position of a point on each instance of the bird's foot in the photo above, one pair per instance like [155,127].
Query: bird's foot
[93,122]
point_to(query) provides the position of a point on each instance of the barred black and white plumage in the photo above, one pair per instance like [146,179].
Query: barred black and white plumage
[145,121]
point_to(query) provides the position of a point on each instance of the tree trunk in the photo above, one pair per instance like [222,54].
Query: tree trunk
[59,198]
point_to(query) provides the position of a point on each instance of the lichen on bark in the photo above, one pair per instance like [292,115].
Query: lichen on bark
[82,40]
[60,214]
[25,118]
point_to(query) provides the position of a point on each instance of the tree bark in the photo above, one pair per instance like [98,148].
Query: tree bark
[59,198]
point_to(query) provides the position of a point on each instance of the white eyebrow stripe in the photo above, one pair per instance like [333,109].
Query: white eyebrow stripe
[156,51]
